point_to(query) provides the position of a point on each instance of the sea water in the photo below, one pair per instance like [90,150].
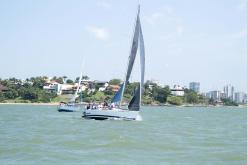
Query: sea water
[166,135]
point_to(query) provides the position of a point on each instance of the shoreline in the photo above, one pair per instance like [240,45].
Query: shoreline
[181,106]
[54,104]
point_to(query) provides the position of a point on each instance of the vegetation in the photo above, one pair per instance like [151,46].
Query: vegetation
[114,82]
[31,90]
[229,102]
[69,81]
[175,100]
[191,97]
[59,80]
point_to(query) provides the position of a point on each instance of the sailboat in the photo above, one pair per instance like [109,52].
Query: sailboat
[71,106]
[132,112]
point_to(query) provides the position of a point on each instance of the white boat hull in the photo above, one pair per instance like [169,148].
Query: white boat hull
[113,114]
[69,108]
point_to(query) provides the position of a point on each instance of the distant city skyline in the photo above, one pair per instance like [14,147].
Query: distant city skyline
[186,41]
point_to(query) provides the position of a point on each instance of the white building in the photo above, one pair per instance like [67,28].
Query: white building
[177,90]
[239,97]
[102,85]
[215,95]
[53,87]
[229,91]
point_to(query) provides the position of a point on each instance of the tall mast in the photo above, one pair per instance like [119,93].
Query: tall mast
[79,83]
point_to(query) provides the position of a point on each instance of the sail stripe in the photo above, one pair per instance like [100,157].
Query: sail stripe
[117,97]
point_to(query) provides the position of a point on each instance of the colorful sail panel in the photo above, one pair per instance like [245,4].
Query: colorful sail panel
[117,97]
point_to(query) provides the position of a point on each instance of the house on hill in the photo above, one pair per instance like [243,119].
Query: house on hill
[53,87]
[3,88]
[177,90]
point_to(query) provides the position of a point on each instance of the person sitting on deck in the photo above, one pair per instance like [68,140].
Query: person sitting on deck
[88,106]
[112,105]
[100,106]
[94,106]
[105,105]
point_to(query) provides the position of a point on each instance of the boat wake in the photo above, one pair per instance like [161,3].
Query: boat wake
[138,118]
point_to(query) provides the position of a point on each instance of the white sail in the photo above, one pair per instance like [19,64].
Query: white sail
[78,87]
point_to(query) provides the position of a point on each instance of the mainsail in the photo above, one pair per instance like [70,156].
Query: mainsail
[133,49]
[78,87]
[134,104]
[77,90]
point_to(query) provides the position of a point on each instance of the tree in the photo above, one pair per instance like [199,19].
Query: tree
[38,82]
[2,98]
[69,81]
[15,80]
[45,97]
[191,97]
[11,94]
[108,92]
[229,102]
[175,100]
[85,78]
[29,93]
[59,80]
[211,101]
[146,100]
[114,82]
[202,99]
[160,94]
[64,78]
[130,88]
[99,96]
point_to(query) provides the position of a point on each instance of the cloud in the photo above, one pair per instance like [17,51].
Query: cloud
[163,15]
[241,34]
[153,18]
[242,5]
[180,30]
[104,4]
[168,9]
[99,32]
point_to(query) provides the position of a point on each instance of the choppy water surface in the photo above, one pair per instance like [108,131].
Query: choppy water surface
[167,135]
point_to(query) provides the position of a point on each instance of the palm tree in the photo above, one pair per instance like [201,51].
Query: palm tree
[85,77]
[64,79]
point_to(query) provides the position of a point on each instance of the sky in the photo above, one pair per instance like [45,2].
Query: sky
[203,41]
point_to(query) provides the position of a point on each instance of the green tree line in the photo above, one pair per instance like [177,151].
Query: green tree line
[31,90]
